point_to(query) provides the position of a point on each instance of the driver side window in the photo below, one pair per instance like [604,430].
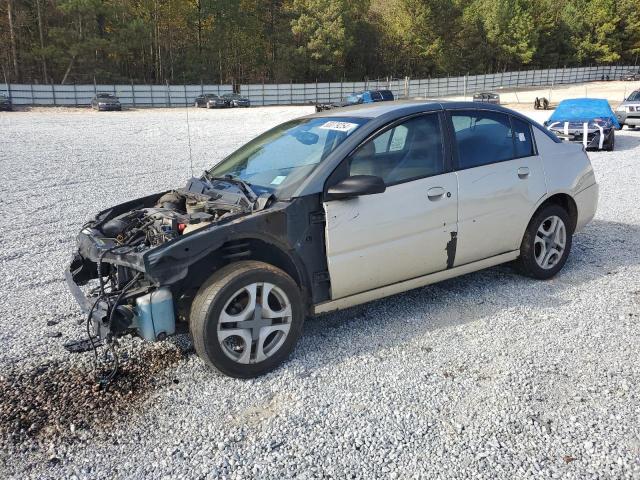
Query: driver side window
[410,150]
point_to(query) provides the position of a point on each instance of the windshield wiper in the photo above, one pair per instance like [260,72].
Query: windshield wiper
[244,186]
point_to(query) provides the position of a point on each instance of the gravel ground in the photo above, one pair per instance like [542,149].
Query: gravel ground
[491,375]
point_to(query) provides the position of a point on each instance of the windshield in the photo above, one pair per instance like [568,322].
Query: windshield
[634,97]
[353,98]
[105,95]
[280,159]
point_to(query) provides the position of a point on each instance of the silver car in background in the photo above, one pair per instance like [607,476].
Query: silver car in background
[236,100]
[628,112]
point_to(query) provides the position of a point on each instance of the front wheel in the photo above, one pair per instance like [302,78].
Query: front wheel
[611,144]
[246,319]
[546,243]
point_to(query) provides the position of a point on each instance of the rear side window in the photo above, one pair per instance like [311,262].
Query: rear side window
[522,137]
[482,137]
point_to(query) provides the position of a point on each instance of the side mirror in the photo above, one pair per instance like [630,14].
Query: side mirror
[355,186]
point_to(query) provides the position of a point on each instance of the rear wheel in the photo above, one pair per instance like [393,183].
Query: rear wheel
[246,319]
[546,243]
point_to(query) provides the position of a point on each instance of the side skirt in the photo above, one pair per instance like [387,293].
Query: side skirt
[418,282]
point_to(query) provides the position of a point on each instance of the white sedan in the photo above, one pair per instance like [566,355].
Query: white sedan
[329,211]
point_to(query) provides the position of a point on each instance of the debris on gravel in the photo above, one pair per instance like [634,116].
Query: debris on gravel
[488,376]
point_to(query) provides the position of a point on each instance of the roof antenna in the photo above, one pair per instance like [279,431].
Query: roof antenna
[186,104]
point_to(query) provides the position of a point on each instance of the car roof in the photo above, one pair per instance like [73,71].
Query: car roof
[406,107]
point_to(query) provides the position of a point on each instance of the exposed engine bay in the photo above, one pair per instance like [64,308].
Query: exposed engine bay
[180,212]
[121,297]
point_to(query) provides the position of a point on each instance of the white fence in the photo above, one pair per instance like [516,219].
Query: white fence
[307,93]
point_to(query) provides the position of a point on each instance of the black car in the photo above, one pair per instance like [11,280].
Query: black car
[105,101]
[236,100]
[366,96]
[487,97]
[5,103]
[210,100]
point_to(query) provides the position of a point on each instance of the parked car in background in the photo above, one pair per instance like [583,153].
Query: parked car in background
[5,103]
[487,97]
[589,121]
[105,101]
[369,201]
[236,100]
[628,112]
[210,100]
[630,76]
[366,96]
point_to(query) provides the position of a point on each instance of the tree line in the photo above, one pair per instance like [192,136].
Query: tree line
[253,41]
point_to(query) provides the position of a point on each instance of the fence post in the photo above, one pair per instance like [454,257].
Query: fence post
[11,97]
[133,94]
[263,91]
[168,95]
[75,94]
[53,93]
[316,91]
[291,91]
[153,103]
[32,99]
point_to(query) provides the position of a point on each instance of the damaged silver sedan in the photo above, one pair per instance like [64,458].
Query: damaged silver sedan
[326,212]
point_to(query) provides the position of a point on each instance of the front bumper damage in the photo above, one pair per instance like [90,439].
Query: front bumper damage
[115,288]
[124,301]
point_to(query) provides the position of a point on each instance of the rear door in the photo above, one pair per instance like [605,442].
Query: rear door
[500,180]
[405,232]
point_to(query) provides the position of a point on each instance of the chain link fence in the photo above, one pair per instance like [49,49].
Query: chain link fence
[307,93]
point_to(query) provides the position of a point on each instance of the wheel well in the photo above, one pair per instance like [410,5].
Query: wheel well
[565,201]
[245,249]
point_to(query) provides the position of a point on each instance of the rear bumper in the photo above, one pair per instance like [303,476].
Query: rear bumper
[587,203]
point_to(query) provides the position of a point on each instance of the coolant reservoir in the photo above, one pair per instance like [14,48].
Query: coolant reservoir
[155,317]
[194,226]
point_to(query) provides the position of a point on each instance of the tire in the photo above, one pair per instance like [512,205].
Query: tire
[230,289]
[611,144]
[532,257]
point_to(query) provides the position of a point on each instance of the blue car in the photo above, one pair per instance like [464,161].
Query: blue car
[589,121]
[366,96]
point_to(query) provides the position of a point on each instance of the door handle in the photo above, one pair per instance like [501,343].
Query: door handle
[523,172]
[435,193]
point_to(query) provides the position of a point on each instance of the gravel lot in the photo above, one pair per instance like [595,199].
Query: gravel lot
[491,375]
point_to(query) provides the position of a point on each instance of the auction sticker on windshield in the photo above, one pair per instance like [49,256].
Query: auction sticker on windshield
[338,126]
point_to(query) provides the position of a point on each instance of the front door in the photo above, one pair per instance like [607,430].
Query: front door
[408,230]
